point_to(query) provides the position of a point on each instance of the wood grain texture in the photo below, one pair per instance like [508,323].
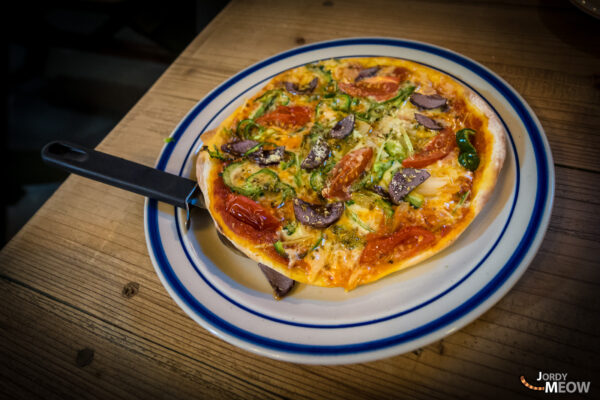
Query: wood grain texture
[64,273]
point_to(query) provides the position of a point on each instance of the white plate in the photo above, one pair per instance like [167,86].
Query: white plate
[228,295]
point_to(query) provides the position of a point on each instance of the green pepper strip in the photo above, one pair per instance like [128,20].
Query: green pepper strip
[401,96]
[355,218]
[291,161]
[462,201]
[290,227]
[298,174]
[317,243]
[318,110]
[468,157]
[214,154]
[267,100]
[279,247]
[341,102]
[253,149]
[316,181]
[244,126]
[243,190]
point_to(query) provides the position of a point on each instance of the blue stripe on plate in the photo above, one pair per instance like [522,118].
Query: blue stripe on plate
[542,197]
[362,323]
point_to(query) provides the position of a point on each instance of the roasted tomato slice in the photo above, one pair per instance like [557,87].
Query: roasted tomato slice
[380,88]
[346,172]
[250,212]
[286,117]
[438,147]
[396,246]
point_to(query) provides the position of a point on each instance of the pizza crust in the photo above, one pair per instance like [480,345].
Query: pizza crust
[498,154]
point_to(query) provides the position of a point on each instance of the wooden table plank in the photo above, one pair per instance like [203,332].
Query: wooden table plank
[64,273]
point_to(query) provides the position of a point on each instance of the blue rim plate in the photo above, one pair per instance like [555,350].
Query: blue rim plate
[227,295]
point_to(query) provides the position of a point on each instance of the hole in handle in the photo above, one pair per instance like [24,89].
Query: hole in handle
[67,152]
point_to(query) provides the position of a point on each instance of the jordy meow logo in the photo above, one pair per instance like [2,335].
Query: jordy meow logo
[551,382]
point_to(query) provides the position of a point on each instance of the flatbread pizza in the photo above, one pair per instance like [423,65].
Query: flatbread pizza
[341,172]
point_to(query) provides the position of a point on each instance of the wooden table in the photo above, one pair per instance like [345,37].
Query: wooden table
[78,276]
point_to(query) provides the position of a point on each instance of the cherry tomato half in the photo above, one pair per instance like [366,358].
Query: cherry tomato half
[401,244]
[250,212]
[380,88]
[438,147]
[286,117]
[346,172]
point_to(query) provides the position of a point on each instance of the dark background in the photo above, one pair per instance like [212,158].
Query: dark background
[74,69]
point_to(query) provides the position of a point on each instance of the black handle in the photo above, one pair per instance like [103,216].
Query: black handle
[121,173]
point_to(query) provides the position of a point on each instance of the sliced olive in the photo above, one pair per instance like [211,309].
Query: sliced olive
[294,89]
[404,181]
[317,155]
[428,122]
[280,283]
[239,148]
[316,215]
[343,128]
[366,73]
[268,157]
[427,101]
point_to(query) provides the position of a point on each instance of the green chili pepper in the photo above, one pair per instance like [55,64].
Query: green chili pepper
[468,157]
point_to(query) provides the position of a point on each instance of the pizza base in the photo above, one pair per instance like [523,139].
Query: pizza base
[495,140]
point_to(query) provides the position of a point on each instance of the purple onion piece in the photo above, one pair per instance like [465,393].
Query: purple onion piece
[404,181]
[268,157]
[238,148]
[316,215]
[427,102]
[294,89]
[366,73]
[428,122]
[343,128]
[317,155]
[280,283]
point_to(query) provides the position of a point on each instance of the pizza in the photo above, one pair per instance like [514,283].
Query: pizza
[343,171]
